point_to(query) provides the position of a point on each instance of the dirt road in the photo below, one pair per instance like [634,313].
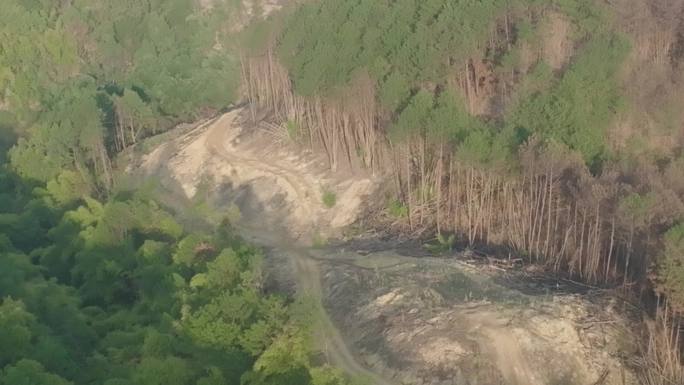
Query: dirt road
[219,137]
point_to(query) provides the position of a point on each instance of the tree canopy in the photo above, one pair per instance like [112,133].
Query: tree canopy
[83,80]
[104,286]
[118,292]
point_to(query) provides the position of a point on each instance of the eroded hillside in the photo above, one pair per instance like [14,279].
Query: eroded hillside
[403,317]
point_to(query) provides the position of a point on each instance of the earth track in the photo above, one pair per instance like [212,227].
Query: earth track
[219,135]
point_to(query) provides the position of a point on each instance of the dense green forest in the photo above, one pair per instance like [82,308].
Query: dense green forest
[117,292]
[104,286]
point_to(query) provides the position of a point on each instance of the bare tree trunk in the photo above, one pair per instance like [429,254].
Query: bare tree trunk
[610,248]
[450,196]
[628,255]
[106,166]
[469,199]
[581,247]
[423,185]
[547,241]
[409,203]
[439,186]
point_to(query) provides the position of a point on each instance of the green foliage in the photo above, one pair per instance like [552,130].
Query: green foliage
[15,330]
[442,244]
[67,187]
[64,137]
[131,106]
[284,363]
[103,287]
[29,372]
[325,44]
[257,36]
[589,17]
[397,209]
[411,49]
[35,53]
[329,199]
[162,371]
[579,108]
[525,31]
[671,265]
[442,119]
[327,376]
[293,130]
[187,249]
[414,119]
[72,77]
[116,292]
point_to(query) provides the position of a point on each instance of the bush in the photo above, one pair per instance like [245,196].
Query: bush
[397,209]
[329,199]
[442,244]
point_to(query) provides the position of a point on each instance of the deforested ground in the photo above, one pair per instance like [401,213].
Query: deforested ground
[394,314]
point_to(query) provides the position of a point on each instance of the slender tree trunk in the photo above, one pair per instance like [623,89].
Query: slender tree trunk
[423,184]
[628,255]
[409,203]
[439,186]
[610,248]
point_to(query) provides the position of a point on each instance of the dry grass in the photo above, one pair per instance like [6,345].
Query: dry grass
[661,359]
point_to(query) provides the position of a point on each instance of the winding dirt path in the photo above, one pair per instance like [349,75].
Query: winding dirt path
[218,140]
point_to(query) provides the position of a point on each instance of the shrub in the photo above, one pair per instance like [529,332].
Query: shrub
[442,244]
[329,199]
[397,209]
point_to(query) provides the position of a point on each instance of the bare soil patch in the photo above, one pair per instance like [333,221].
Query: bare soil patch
[440,321]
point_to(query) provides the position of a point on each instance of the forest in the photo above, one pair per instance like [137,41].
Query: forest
[118,292]
[549,128]
[544,127]
[99,284]
[84,80]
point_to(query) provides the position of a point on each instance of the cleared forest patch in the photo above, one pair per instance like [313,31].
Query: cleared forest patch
[401,319]
[441,321]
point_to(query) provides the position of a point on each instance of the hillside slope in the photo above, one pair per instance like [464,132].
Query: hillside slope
[396,314]
[551,130]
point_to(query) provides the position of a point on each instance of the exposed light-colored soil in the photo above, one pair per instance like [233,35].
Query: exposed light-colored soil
[435,321]
[287,185]
[391,318]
